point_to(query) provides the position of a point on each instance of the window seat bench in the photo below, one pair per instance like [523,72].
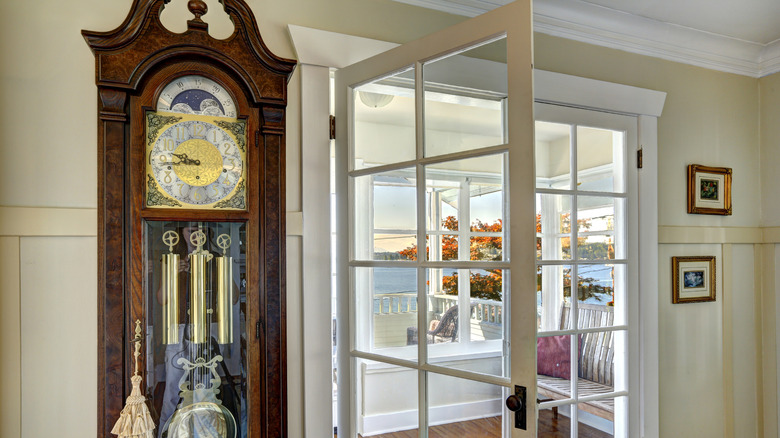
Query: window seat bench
[595,369]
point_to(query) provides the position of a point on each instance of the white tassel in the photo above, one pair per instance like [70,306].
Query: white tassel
[134,420]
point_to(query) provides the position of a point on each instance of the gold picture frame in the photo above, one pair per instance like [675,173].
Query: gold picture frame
[709,190]
[693,279]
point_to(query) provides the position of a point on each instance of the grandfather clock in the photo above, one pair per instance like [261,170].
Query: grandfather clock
[191,223]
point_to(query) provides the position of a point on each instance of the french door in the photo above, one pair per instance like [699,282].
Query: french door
[435,194]
[587,282]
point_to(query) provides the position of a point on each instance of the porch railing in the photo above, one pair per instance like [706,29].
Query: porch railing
[385,304]
[397,303]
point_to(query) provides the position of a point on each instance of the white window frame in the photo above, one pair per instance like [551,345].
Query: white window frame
[319,51]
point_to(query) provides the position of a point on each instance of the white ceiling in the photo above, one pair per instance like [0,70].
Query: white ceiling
[736,36]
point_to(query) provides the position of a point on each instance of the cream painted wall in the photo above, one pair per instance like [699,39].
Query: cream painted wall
[770,150]
[48,101]
[48,144]
[709,118]
[11,341]
[691,393]
[58,326]
[743,303]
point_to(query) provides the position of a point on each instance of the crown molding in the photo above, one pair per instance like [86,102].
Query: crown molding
[770,59]
[468,8]
[598,25]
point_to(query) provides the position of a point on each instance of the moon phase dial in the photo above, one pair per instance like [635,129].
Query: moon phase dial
[195,94]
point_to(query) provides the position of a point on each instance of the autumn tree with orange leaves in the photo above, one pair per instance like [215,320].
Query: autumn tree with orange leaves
[488,248]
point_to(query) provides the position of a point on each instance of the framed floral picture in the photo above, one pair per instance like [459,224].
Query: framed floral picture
[693,279]
[709,190]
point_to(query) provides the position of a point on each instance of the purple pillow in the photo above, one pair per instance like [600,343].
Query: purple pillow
[553,356]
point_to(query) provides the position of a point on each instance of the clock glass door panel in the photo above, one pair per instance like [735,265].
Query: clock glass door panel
[195,287]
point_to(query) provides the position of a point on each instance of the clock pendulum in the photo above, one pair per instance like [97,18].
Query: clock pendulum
[224,292]
[170,289]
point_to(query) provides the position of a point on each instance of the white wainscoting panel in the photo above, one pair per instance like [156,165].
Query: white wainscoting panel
[690,353]
[59,336]
[10,346]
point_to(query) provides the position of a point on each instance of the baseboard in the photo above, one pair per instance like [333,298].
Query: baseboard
[405,420]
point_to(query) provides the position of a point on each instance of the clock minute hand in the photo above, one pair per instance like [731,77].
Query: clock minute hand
[182,158]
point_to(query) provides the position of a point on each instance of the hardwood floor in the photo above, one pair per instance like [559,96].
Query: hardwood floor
[482,428]
[549,427]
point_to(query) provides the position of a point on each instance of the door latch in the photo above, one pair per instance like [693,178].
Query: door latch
[517,404]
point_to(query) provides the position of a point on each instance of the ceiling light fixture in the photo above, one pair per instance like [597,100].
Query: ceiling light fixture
[374,100]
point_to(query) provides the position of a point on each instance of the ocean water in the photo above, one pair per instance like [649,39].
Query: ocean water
[403,280]
[395,280]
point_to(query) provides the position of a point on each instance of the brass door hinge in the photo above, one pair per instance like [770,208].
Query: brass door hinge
[332,127]
[639,159]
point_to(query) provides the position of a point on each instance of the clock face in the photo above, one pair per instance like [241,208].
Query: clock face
[195,162]
[196,95]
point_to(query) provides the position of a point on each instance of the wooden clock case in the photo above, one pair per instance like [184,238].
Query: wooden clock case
[133,64]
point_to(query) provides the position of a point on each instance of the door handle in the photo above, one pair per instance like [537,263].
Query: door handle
[517,404]
[514,403]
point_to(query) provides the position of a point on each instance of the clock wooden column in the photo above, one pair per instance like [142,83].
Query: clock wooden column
[135,64]
[111,271]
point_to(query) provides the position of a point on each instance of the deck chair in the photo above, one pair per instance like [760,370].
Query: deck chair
[446,330]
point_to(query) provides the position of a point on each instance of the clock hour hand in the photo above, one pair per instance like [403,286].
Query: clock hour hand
[185,160]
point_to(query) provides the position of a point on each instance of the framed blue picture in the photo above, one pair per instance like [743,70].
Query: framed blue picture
[693,279]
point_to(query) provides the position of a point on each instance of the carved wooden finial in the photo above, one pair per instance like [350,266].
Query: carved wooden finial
[198,8]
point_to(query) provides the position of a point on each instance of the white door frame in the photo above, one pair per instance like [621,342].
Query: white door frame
[318,51]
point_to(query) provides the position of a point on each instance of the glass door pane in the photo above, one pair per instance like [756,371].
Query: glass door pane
[384,121]
[465,95]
